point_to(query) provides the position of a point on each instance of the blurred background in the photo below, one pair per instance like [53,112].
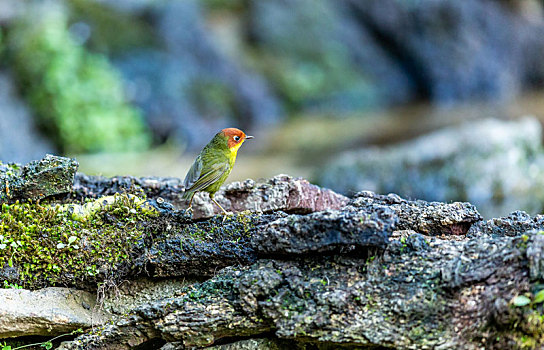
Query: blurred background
[431,99]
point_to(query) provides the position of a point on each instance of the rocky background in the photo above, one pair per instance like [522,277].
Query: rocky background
[312,79]
[153,71]
[295,266]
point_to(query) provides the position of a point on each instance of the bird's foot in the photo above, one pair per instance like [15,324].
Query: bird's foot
[226,214]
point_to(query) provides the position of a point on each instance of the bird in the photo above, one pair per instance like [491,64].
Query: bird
[213,165]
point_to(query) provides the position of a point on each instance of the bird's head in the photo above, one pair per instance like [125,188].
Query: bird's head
[235,138]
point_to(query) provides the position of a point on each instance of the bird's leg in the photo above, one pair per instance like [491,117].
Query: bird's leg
[220,207]
[225,213]
[190,208]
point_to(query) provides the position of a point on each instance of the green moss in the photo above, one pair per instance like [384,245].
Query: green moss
[233,228]
[527,332]
[417,332]
[48,245]
[8,285]
[525,327]
[427,333]
[522,242]
[215,288]
[89,209]
[10,169]
[245,221]
[78,96]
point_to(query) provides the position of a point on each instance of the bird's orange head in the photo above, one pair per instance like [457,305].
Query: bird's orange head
[235,137]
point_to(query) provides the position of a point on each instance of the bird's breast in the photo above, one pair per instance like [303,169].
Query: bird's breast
[233,151]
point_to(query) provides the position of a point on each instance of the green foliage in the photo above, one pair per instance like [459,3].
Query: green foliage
[47,345]
[49,245]
[8,285]
[527,319]
[539,297]
[77,95]
[521,300]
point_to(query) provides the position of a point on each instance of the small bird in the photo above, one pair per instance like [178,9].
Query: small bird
[213,165]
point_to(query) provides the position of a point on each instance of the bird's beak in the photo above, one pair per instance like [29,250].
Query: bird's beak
[248,137]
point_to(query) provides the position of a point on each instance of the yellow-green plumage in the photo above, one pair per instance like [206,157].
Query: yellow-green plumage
[214,164]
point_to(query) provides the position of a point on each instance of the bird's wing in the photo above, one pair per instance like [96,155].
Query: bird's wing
[205,179]
[193,174]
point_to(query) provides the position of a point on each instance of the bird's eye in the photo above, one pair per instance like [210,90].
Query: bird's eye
[236,138]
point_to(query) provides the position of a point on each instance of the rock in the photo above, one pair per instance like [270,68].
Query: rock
[184,248]
[20,140]
[173,244]
[325,231]
[379,271]
[137,292]
[458,50]
[201,248]
[49,176]
[281,192]
[514,224]
[535,254]
[321,58]
[49,311]
[425,299]
[166,243]
[495,165]
[252,344]
[172,346]
[432,218]
[249,344]
[89,186]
